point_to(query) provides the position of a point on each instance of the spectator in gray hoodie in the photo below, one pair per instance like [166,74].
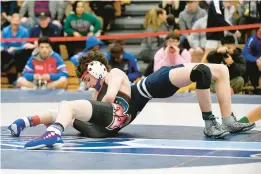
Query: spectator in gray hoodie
[189,16]
[198,41]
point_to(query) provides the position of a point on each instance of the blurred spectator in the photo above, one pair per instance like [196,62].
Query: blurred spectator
[252,55]
[216,19]
[198,41]
[69,7]
[231,56]
[79,23]
[46,28]
[15,53]
[248,12]
[92,43]
[55,9]
[229,10]
[171,54]
[204,4]
[8,8]
[44,69]
[173,7]
[106,10]
[189,16]
[125,61]
[154,21]
[170,23]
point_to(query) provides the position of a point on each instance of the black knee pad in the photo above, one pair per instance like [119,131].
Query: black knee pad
[202,75]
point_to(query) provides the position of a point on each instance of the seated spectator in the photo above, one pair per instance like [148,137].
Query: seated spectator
[154,21]
[198,41]
[79,23]
[171,54]
[252,55]
[247,13]
[15,53]
[216,18]
[229,10]
[173,7]
[44,69]
[104,9]
[8,8]
[118,58]
[189,16]
[46,28]
[229,55]
[170,23]
[92,43]
[33,8]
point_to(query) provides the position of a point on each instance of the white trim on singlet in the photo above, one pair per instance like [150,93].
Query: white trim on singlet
[145,89]
[147,95]
[140,91]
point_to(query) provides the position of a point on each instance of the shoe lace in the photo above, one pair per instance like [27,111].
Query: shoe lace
[214,122]
[43,135]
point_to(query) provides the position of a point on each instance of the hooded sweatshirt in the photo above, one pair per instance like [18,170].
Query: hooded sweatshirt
[90,42]
[53,65]
[187,18]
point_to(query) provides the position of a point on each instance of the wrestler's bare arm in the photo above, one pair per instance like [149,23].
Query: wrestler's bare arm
[114,81]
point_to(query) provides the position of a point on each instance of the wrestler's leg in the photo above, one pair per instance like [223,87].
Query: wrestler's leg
[253,116]
[20,124]
[83,110]
[201,75]
[181,77]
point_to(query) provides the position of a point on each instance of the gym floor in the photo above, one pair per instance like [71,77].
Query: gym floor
[167,136]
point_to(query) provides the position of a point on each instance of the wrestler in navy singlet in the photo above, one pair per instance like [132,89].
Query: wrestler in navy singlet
[156,85]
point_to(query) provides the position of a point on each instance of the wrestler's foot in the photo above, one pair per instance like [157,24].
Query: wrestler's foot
[17,127]
[232,125]
[49,139]
[215,130]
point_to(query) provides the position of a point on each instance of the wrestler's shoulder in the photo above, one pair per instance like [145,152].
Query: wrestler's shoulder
[116,71]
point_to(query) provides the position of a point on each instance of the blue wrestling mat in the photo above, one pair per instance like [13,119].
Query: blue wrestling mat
[138,146]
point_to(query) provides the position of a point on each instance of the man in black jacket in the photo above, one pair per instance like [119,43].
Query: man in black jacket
[229,55]
[216,19]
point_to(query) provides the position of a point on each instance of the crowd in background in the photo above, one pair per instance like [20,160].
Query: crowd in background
[41,64]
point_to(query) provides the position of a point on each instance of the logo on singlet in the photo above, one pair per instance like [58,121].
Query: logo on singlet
[121,118]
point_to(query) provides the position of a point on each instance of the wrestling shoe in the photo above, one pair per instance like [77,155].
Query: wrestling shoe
[215,130]
[17,127]
[49,139]
[235,126]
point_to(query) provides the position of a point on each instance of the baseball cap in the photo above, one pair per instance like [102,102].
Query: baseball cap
[43,15]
